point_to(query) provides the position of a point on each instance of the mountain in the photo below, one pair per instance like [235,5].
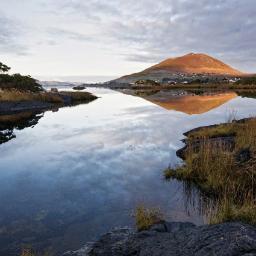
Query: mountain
[191,64]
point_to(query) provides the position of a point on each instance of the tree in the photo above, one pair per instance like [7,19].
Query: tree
[4,68]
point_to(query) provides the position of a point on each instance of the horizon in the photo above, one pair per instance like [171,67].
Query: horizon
[111,39]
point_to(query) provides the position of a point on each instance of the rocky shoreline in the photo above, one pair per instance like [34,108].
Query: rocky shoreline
[175,238]
[225,140]
[233,238]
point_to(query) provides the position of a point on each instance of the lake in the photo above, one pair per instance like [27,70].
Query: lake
[80,171]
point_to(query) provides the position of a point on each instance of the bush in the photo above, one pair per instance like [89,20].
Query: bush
[19,82]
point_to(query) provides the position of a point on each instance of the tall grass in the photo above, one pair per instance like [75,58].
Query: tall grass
[223,169]
[146,217]
[16,95]
[57,98]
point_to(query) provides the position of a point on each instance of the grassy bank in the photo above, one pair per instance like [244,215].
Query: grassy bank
[14,95]
[19,88]
[221,161]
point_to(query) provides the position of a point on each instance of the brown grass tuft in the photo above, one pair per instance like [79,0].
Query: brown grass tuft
[145,217]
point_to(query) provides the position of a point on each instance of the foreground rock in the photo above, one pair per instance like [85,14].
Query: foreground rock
[171,239]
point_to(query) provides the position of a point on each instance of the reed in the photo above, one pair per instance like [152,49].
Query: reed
[16,95]
[146,217]
[225,169]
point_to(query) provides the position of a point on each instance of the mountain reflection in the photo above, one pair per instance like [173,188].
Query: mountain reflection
[191,103]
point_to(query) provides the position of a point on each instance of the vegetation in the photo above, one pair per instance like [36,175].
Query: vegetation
[145,84]
[145,218]
[4,68]
[221,161]
[16,95]
[17,81]
[247,81]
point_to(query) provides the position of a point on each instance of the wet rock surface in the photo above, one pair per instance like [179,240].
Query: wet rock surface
[171,239]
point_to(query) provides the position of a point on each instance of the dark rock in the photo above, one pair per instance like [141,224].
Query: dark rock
[243,155]
[183,239]
[216,143]
[54,89]
[79,88]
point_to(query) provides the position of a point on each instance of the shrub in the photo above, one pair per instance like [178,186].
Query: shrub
[19,82]
[145,218]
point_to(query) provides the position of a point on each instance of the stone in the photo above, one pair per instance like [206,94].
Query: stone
[176,238]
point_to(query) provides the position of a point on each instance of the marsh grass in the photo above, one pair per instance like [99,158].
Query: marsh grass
[16,95]
[146,217]
[223,169]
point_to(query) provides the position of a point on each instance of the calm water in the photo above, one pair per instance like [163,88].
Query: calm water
[82,170]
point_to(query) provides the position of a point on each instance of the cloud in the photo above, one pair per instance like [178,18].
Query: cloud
[68,34]
[142,31]
[9,41]
[165,28]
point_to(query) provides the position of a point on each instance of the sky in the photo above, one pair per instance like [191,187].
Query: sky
[118,37]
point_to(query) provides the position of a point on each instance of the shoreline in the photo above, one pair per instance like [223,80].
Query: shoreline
[39,101]
[226,237]
[175,238]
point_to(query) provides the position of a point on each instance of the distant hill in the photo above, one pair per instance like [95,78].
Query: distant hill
[188,65]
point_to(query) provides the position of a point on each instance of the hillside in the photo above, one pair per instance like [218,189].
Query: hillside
[188,65]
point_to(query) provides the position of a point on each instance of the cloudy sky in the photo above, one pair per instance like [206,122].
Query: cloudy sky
[115,37]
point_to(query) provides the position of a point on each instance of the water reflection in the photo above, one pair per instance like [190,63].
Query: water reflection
[8,123]
[195,104]
[81,171]
[189,102]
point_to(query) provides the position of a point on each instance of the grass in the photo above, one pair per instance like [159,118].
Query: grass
[146,217]
[16,95]
[223,170]
[228,210]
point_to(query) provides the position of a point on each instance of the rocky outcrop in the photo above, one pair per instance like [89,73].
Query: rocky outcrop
[169,239]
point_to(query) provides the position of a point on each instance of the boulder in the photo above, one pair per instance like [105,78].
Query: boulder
[172,239]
